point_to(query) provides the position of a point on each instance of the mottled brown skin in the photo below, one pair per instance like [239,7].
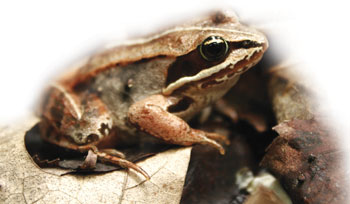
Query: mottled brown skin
[152,86]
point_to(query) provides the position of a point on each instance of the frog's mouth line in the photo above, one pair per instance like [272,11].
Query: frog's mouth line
[231,70]
[209,77]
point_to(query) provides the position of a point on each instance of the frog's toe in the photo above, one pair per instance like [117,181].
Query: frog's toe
[218,137]
[111,158]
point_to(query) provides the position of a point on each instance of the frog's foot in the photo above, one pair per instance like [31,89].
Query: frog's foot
[113,152]
[218,137]
[113,156]
[201,137]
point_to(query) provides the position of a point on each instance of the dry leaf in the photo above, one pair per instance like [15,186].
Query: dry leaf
[308,161]
[47,155]
[305,157]
[21,181]
[290,96]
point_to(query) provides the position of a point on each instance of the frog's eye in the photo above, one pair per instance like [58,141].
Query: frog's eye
[213,48]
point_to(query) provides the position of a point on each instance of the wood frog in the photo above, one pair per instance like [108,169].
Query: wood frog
[153,85]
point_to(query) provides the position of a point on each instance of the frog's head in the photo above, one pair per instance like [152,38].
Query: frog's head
[215,52]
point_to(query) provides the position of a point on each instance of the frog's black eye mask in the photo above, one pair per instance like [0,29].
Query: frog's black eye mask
[212,51]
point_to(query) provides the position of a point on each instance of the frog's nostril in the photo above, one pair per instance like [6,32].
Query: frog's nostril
[92,138]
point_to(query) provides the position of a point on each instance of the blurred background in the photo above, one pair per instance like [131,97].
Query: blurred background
[39,39]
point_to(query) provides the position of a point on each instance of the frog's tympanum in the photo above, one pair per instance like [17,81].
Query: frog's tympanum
[153,85]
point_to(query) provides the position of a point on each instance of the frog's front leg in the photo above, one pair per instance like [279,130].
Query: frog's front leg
[151,116]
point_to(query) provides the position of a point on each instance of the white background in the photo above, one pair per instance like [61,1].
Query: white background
[38,39]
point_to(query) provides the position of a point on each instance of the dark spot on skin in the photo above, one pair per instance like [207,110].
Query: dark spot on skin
[92,138]
[79,136]
[58,124]
[219,18]
[182,105]
[81,86]
[127,89]
[300,180]
[103,128]
[311,158]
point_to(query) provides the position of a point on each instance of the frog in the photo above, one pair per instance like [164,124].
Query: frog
[152,86]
